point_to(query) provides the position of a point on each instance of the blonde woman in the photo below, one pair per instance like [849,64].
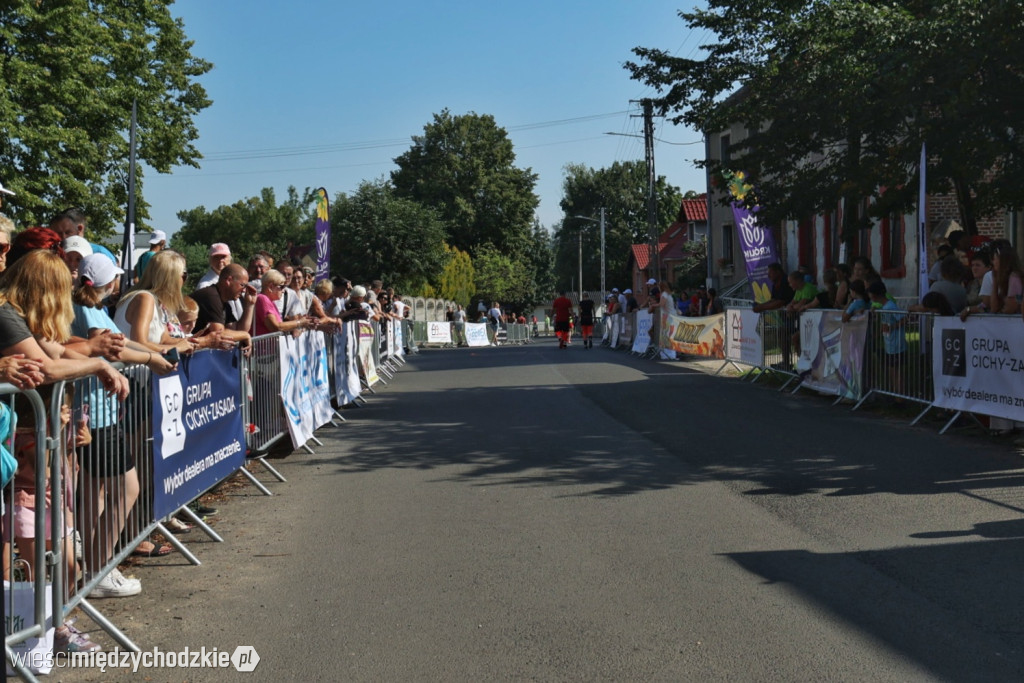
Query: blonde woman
[149,313]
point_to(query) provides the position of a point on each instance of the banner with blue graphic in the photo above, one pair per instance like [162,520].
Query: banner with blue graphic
[198,437]
[305,384]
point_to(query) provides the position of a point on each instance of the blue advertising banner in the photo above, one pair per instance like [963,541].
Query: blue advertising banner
[198,437]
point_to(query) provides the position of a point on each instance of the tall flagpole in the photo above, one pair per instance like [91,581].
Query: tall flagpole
[128,248]
[922,227]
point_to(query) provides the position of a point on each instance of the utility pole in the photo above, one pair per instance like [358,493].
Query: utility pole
[652,202]
[604,292]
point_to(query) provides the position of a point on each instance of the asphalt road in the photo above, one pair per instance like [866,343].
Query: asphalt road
[530,513]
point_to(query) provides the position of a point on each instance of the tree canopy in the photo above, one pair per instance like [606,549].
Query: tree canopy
[376,234]
[69,72]
[464,168]
[252,224]
[837,98]
[622,190]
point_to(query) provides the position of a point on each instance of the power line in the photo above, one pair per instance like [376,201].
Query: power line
[308,150]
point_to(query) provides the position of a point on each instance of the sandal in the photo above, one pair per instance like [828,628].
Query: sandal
[155,551]
[176,526]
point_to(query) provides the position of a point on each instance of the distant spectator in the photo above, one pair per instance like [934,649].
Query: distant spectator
[894,338]
[859,301]
[981,269]
[949,285]
[157,242]
[631,302]
[781,293]
[75,249]
[863,270]
[843,275]
[935,272]
[714,303]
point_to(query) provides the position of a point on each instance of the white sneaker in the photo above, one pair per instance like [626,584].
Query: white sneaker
[115,585]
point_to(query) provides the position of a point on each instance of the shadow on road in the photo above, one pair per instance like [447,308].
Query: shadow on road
[976,581]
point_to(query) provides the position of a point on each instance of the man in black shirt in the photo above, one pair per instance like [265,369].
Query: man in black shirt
[214,312]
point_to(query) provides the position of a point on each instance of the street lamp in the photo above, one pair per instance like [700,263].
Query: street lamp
[601,222]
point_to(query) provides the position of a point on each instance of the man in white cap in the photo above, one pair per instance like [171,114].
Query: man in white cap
[75,249]
[157,242]
[620,306]
[219,256]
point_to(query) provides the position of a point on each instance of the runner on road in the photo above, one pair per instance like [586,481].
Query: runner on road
[562,309]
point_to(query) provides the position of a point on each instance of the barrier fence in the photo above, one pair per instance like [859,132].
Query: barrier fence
[103,475]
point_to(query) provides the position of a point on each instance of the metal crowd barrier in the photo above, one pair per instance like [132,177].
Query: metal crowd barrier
[95,456]
[18,630]
[898,357]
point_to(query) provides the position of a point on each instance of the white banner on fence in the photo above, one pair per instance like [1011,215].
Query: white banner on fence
[366,362]
[346,363]
[743,341]
[616,321]
[439,333]
[476,334]
[978,366]
[643,331]
[305,384]
[399,338]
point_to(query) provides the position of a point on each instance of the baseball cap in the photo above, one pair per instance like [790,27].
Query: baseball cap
[157,236]
[98,270]
[79,244]
[652,281]
[628,291]
[5,190]
[219,249]
[615,290]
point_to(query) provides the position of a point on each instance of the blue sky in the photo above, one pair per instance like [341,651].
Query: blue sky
[324,93]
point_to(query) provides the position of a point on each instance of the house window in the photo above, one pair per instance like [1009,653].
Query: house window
[725,142]
[727,243]
[891,231]
[805,244]
[833,230]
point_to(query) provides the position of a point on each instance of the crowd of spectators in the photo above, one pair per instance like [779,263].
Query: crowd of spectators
[63,316]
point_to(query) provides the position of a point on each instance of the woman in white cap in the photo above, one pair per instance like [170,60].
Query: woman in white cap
[108,465]
[75,249]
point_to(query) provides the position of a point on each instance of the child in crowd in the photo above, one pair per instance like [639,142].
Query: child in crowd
[188,315]
[859,301]
[894,337]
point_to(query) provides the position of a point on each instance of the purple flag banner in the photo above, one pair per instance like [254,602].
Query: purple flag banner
[323,237]
[758,245]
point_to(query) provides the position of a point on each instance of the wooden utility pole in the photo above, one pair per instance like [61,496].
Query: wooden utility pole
[652,200]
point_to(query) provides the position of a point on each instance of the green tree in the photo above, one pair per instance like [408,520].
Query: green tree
[456,282]
[378,235]
[540,261]
[252,224]
[838,97]
[69,71]
[501,278]
[464,168]
[622,190]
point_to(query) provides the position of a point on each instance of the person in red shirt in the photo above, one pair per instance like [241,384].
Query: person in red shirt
[562,309]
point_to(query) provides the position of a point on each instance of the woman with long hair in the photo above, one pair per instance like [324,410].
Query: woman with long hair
[148,314]
[1007,282]
[35,322]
